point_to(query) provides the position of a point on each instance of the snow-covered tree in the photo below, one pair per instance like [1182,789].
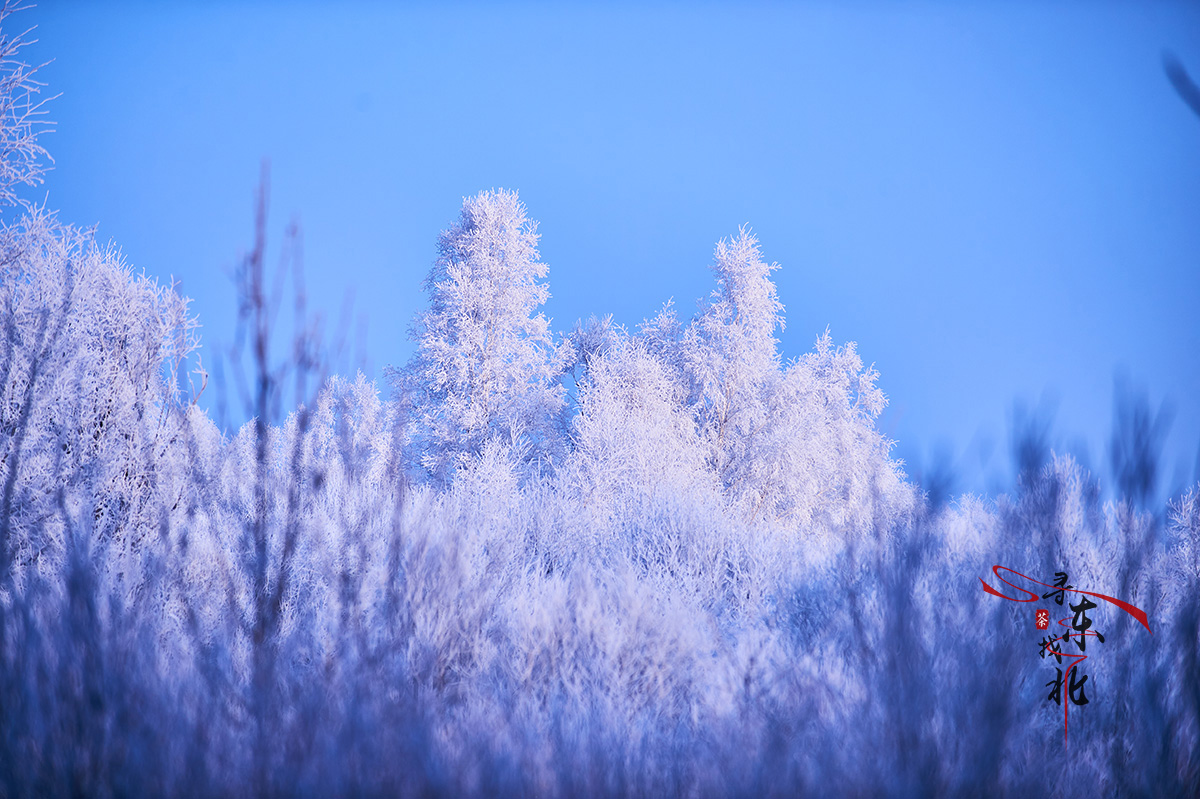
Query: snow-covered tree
[822,459]
[635,438]
[90,403]
[729,353]
[282,612]
[795,443]
[486,366]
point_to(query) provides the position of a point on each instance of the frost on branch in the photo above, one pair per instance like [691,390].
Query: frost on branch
[20,109]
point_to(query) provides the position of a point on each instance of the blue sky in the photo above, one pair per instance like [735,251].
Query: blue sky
[996,201]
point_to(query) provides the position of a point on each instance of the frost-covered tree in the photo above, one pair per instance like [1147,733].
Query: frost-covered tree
[822,458]
[729,352]
[89,395]
[635,438]
[486,366]
[281,612]
[794,443]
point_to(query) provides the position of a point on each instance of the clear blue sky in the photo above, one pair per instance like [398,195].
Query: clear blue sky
[996,201]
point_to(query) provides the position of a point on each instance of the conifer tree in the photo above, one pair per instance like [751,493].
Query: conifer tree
[486,366]
[730,355]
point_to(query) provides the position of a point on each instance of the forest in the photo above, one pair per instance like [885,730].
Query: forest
[661,561]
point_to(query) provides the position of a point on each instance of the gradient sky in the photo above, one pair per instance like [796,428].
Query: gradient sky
[998,202]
